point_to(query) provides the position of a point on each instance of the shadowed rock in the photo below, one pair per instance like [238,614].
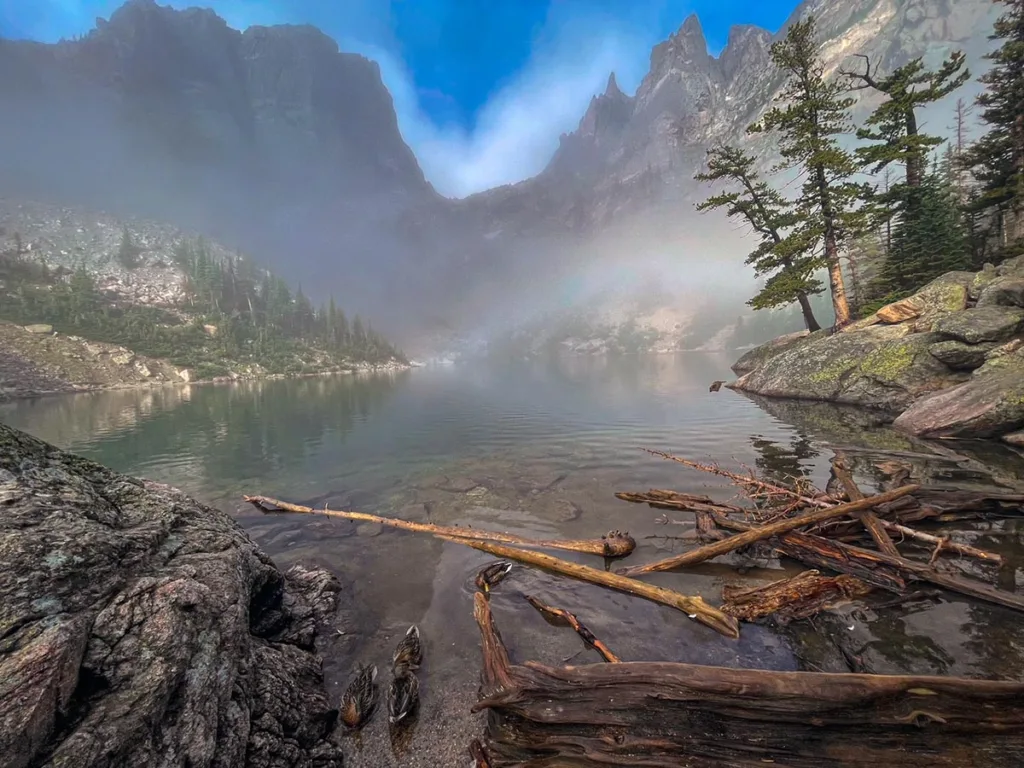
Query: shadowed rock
[140,628]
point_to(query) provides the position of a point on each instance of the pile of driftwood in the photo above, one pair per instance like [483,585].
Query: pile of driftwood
[668,714]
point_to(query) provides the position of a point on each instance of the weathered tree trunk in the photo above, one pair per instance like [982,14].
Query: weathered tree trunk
[658,714]
[837,287]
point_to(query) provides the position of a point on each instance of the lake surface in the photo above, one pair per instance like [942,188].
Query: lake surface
[538,449]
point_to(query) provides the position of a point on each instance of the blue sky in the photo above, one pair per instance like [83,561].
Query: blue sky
[483,88]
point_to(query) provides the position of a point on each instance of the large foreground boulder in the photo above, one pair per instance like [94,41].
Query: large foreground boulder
[990,404]
[881,366]
[140,628]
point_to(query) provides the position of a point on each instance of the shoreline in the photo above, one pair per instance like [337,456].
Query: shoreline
[79,389]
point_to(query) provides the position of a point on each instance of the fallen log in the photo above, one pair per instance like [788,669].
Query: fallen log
[612,545]
[944,543]
[760,533]
[580,628]
[694,607]
[791,599]
[867,517]
[876,568]
[656,714]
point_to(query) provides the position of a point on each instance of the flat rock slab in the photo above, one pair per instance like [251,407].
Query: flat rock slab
[981,324]
[140,628]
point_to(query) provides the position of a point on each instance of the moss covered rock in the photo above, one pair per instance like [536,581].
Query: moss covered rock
[882,366]
[981,324]
[759,355]
[989,404]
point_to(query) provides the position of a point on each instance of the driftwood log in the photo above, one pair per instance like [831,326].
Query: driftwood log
[659,714]
[694,607]
[790,599]
[867,517]
[760,533]
[611,545]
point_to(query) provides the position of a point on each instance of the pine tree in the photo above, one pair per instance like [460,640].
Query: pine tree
[894,124]
[816,112]
[932,242]
[997,159]
[767,213]
[127,252]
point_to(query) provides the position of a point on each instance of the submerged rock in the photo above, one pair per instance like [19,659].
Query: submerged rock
[141,628]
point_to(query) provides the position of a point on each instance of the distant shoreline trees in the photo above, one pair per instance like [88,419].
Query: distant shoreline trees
[949,210]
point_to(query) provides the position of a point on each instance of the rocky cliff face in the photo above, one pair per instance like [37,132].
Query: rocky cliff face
[270,139]
[631,152]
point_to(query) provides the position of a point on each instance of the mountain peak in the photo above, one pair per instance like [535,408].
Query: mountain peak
[612,89]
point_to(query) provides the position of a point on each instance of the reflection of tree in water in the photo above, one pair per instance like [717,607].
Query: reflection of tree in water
[997,634]
[255,429]
[783,463]
[907,650]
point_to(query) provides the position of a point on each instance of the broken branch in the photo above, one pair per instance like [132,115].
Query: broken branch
[867,517]
[943,543]
[760,533]
[614,544]
[694,607]
[576,624]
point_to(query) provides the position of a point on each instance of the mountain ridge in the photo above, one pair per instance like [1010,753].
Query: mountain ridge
[274,139]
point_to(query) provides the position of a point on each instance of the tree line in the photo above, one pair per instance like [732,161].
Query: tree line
[235,312]
[253,306]
[894,212]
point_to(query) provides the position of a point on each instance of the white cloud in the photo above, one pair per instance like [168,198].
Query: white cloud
[517,130]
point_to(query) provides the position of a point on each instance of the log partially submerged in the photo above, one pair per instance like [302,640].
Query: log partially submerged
[790,599]
[760,533]
[580,628]
[694,607]
[611,545]
[659,714]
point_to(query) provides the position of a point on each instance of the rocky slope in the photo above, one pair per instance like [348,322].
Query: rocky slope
[945,362]
[141,628]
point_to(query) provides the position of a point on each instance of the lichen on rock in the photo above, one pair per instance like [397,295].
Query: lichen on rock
[141,628]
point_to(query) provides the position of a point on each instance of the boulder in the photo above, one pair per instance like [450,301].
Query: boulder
[959,355]
[901,311]
[883,366]
[1003,292]
[39,328]
[981,281]
[141,628]
[990,404]
[758,355]
[981,324]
